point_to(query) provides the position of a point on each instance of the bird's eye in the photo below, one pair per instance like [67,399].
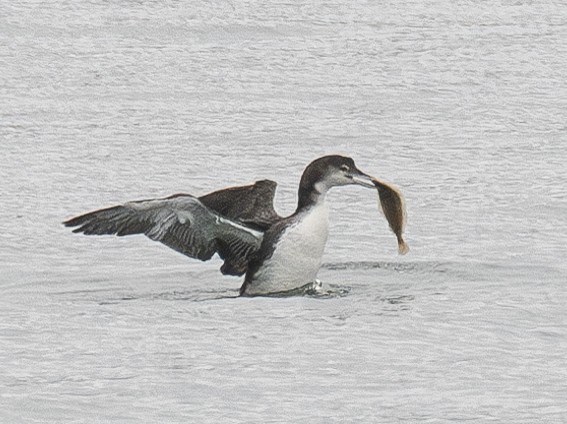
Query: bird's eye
[345,168]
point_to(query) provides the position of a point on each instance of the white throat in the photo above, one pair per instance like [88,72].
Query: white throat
[322,189]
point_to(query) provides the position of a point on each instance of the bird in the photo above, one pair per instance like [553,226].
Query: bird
[275,254]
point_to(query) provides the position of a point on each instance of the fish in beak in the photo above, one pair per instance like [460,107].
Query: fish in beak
[393,206]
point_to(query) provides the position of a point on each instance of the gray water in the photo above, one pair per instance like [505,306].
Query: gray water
[462,104]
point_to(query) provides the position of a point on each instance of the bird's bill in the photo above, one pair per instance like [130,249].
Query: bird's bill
[360,178]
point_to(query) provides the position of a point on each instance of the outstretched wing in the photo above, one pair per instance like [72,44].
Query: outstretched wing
[251,205]
[181,222]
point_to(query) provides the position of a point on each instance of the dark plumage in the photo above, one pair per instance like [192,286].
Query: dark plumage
[251,205]
[183,223]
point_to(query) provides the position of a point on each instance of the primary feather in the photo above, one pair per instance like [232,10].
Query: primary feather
[196,227]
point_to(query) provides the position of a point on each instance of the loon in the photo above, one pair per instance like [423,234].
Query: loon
[275,254]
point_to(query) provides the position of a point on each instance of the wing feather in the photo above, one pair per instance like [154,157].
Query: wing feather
[181,222]
[252,205]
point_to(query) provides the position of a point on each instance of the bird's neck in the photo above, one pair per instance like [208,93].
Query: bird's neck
[310,194]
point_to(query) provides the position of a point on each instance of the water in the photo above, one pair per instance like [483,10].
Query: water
[461,104]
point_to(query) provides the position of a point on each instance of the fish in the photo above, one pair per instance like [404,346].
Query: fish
[392,203]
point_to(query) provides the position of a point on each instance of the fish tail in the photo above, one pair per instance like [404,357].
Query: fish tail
[403,247]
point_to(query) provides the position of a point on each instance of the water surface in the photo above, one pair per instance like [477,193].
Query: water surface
[461,104]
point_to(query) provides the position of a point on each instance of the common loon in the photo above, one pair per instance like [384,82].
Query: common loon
[240,224]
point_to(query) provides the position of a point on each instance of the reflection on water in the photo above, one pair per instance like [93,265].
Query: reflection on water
[108,297]
[175,296]
[397,300]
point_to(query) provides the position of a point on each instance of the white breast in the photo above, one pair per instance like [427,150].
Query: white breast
[297,255]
